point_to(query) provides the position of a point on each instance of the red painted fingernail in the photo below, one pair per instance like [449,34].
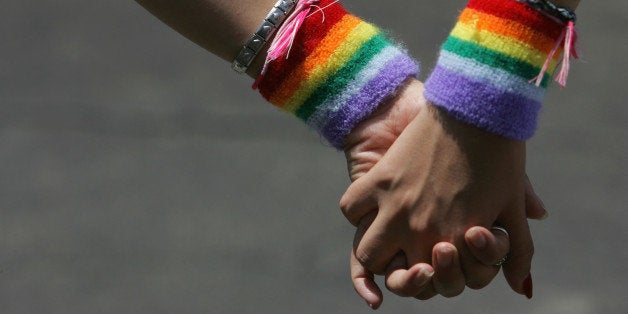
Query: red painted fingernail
[527,286]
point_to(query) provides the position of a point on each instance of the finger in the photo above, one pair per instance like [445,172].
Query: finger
[358,200]
[487,246]
[535,209]
[373,246]
[517,269]
[363,225]
[416,256]
[364,284]
[477,273]
[407,282]
[427,293]
[449,281]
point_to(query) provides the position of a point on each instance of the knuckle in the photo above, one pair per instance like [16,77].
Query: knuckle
[365,258]
[344,204]
[346,208]
[385,183]
[384,177]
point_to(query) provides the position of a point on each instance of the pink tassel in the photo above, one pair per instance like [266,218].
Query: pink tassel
[569,50]
[284,39]
[568,37]
[282,44]
[546,65]
[286,34]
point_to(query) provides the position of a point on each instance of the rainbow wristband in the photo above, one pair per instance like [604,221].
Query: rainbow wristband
[339,69]
[484,72]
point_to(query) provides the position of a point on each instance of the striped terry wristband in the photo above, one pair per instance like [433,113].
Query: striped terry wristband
[339,69]
[484,72]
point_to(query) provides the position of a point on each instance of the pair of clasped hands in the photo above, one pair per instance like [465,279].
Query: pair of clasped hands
[426,192]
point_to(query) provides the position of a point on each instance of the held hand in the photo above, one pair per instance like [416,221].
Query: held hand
[423,280]
[366,145]
[437,180]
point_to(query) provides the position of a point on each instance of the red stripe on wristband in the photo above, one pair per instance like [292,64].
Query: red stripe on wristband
[307,39]
[520,12]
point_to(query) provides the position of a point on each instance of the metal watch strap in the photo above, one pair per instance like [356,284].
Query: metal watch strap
[253,46]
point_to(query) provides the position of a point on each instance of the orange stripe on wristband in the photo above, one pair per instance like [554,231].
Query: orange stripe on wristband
[520,12]
[306,41]
[513,29]
[319,56]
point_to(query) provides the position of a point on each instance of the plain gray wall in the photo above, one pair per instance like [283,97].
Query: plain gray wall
[141,175]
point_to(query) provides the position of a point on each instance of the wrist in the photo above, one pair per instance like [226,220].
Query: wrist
[486,65]
[369,141]
[484,152]
[339,69]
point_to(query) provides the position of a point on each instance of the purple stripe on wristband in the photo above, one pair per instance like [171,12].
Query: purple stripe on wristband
[319,119]
[363,103]
[478,103]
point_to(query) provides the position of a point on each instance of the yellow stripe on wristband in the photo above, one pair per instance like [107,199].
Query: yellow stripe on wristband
[510,28]
[327,61]
[325,48]
[503,44]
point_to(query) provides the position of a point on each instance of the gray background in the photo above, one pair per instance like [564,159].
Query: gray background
[140,175]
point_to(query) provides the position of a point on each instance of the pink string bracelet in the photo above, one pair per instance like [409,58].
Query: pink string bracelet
[332,71]
[567,38]
[282,43]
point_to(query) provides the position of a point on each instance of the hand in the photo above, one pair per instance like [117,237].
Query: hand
[423,280]
[438,179]
[366,145]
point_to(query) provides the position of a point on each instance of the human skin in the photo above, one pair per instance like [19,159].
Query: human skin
[365,147]
[423,206]
[230,24]
[438,179]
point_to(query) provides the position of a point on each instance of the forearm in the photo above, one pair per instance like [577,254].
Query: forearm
[220,26]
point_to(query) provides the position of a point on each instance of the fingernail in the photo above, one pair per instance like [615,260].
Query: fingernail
[426,273]
[477,239]
[445,258]
[527,286]
[423,277]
